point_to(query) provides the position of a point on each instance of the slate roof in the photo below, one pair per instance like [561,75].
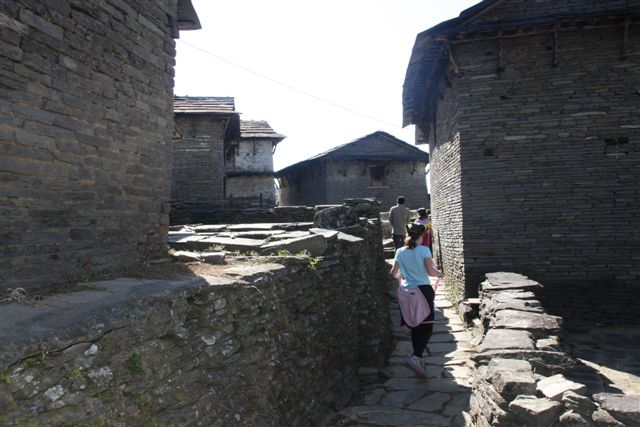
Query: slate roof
[258,129]
[430,57]
[204,104]
[379,146]
[187,16]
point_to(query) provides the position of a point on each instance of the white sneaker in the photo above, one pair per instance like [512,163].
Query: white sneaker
[415,364]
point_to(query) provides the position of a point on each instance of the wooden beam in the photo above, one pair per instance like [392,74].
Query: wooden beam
[452,61]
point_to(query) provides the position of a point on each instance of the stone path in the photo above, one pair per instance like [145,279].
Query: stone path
[398,398]
[608,359]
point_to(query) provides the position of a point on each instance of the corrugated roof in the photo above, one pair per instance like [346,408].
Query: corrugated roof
[258,129]
[204,104]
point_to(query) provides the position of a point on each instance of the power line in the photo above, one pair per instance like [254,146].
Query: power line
[305,93]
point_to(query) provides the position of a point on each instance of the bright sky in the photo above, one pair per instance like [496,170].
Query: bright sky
[323,73]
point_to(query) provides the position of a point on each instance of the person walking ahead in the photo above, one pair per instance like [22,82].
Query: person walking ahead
[399,217]
[414,262]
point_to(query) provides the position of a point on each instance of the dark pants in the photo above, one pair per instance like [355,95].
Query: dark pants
[398,240]
[421,334]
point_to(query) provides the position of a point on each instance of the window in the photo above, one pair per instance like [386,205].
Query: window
[377,175]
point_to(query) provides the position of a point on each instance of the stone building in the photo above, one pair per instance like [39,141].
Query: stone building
[203,125]
[376,166]
[219,161]
[532,114]
[85,122]
[249,177]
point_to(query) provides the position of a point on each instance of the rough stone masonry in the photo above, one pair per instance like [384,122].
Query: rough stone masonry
[85,122]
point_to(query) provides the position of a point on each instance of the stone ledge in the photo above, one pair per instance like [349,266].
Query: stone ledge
[519,381]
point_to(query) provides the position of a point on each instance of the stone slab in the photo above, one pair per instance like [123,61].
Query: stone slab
[511,377]
[555,386]
[544,411]
[497,339]
[534,322]
[625,408]
[315,244]
[64,319]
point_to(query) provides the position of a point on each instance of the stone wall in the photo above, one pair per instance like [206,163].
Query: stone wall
[198,163]
[549,158]
[252,156]
[352,179]
[585,304]
[446,202]
[250,191]
[516,9]
[521,366]
[279,214]
[331,182]
[268,341]
[85,123]
[308,187]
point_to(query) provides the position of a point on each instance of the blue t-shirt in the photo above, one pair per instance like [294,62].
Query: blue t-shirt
[411,263]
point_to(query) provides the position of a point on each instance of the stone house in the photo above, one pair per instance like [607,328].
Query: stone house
[219,161]
[249,176]
[203,126]
[378,166]
[85,123]
[532,115]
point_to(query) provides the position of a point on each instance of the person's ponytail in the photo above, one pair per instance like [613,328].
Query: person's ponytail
[410,241]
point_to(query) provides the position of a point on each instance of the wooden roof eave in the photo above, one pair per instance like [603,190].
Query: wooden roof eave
[422,78]
[420,90]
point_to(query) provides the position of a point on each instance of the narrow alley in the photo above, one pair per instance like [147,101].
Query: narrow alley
[398,398]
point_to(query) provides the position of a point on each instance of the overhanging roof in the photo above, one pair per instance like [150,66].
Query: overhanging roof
[187,16]
[204,104]
[258,129]
[430,56]
[357,150]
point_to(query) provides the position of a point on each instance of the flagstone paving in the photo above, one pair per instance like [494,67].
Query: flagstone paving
[399,398]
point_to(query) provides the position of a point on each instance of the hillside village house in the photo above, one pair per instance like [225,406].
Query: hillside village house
[219,161]
[249,176]
[378,166]
[532,115]
[85,124]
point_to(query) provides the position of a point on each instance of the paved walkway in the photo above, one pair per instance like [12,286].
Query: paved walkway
[608,359]
[398,398]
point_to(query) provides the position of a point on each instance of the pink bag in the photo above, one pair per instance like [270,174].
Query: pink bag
[413,305]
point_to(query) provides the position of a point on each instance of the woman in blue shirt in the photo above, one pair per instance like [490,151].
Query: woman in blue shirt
[413,261]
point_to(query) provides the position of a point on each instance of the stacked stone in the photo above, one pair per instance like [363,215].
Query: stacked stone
[519,378]
[368,207]
[276,340]
[181,213]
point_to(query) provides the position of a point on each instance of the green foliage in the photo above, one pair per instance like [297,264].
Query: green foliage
[312,262]
[283,252]
[6,377]
[92,276]
[76,374]
[216,248]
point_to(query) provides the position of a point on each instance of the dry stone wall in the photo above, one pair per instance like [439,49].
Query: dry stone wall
[281,214]
[85,124]
[549,158]
[198,157]
[350,179]
[270,341]
[250,191]
[521,367]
